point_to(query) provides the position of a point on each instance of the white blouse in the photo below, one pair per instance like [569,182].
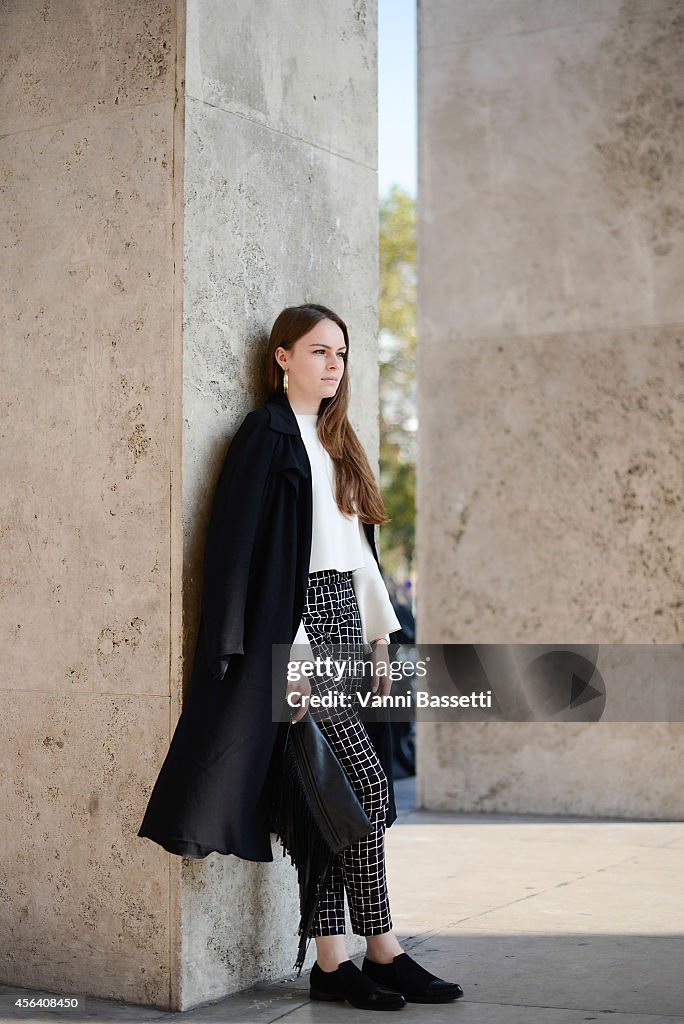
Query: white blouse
[339,541]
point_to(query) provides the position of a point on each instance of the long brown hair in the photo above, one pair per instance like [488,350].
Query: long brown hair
[354,479]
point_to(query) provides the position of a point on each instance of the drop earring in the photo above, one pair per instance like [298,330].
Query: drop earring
[285,381]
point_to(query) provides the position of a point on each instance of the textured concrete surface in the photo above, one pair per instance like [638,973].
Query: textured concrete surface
[541,920]
[558,515]
[550,156]
[62,62]
[88,378]
[314,93]
[155,228]
[549,767]
[280,207]
[550,319]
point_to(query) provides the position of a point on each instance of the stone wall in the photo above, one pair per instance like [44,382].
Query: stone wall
[550,316]
[280,209]
[90,442]
[155,226]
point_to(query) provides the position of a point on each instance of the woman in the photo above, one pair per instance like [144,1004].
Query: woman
[290,558]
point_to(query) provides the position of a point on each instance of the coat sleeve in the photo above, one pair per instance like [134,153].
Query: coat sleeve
[230,540]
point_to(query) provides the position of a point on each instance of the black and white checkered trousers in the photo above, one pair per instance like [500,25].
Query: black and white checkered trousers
[333,627]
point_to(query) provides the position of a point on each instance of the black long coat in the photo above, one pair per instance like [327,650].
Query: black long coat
[212,792]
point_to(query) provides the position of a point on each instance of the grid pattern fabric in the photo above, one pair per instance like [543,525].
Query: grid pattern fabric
[333,627]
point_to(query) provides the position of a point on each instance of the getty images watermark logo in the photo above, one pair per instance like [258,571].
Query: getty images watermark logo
[485,682]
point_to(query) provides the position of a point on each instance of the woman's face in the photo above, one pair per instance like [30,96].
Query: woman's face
[315,365]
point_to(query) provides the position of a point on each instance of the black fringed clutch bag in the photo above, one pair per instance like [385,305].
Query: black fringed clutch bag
[314,812]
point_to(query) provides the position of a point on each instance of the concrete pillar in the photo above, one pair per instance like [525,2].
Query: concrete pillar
[172,177]
[550,314]
[280,208]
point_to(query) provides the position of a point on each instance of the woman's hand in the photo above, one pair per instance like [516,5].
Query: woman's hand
[301,686]
[382,683]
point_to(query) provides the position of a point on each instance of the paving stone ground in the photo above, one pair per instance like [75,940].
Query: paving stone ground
[541,920]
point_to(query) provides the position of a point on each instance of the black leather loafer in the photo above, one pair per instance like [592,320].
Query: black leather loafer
[415,983]
[349,983]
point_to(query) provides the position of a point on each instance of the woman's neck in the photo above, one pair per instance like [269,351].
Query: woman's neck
[302,409]
[303,405]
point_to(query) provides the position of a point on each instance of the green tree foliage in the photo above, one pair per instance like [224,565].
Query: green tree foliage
[398,411]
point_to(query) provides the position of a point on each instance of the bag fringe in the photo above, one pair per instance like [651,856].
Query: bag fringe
[294,824]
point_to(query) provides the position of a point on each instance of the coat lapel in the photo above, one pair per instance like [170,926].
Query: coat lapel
[292,461]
